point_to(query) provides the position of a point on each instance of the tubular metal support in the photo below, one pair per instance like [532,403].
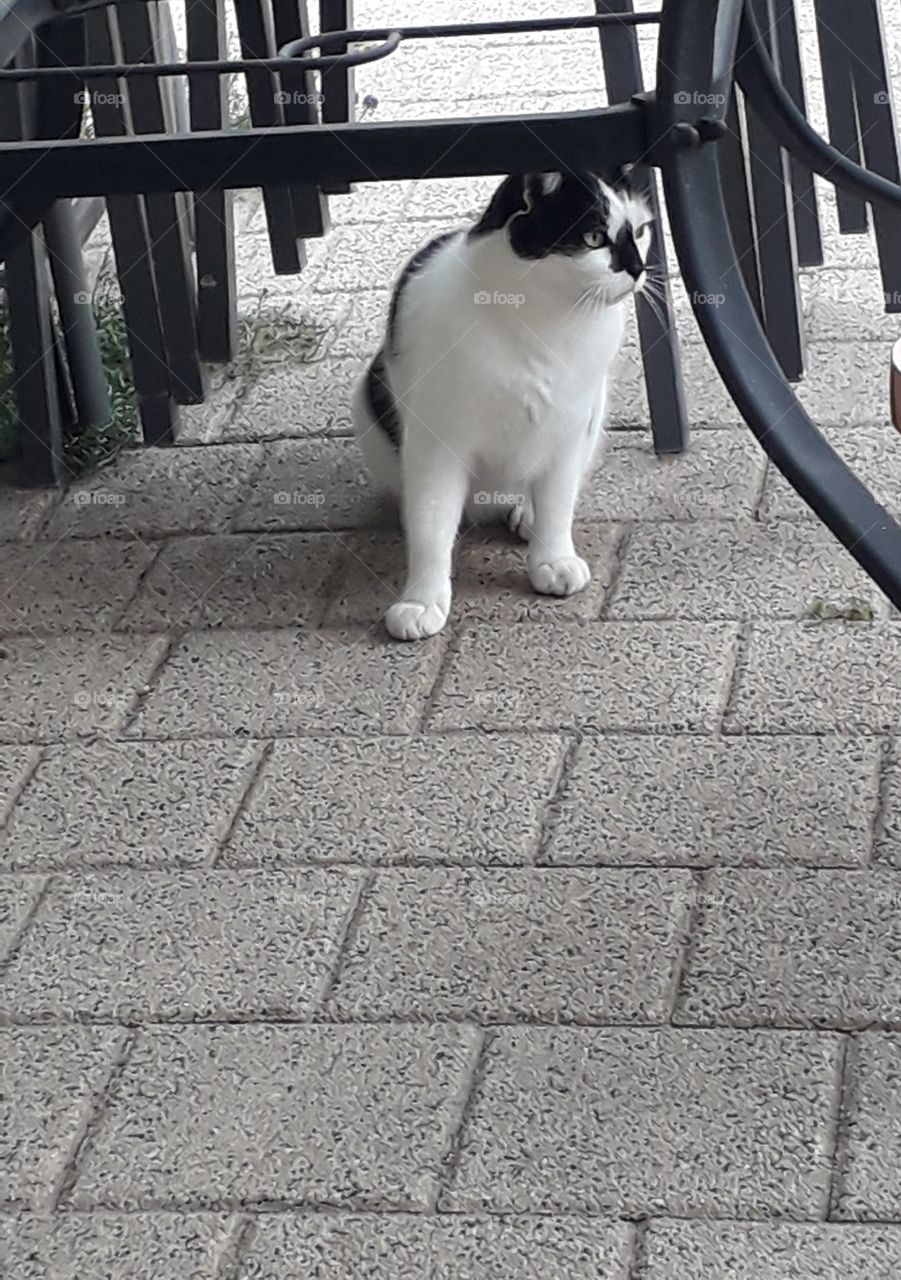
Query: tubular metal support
[732,330]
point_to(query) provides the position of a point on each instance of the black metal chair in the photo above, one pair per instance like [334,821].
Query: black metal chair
[720,112]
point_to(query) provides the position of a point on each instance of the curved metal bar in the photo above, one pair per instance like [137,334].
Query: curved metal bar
[772,102]
[732,330]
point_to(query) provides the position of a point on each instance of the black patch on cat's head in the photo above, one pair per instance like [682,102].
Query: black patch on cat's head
[552,213]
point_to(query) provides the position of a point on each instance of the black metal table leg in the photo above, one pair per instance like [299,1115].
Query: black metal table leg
[807,217]
[656,327]
[841,111]
[337,82]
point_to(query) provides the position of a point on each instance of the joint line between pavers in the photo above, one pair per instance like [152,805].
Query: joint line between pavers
[18,938]
[451,1161]
[680,967]
[255,774]
[451,648]
[551,815]
[171,641]
[158,547]
[37,755]
[620,550]
[847,1061]
[94,1113]
[636,1257]
[886,762]
[241,1231]
[343,939]
[741,648]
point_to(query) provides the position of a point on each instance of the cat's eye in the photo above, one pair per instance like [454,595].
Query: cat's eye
[643,230]
[594,239]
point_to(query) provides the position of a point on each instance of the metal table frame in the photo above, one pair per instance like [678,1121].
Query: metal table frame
[706,48]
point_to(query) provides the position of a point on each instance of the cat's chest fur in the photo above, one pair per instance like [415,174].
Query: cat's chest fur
[497,354]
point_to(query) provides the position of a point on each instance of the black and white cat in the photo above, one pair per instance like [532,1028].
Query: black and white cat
[488,396]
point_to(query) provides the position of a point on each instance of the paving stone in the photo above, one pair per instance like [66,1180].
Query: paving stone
[818,678]
[420,1247]
[668,677]
[491,580]
[795,947]
[439,71]
[133,804]
[709,403]
[99,1246]
[16,763]
[153,946]
[452,200]
[151,492]
[356,1117]
[719,477]
[23,511]
[235,580]
[49,1077]
[71,686]
[847,306]
[873,453]
[69,586]
[645,1122]
[278,683]
[889,837]
[870,1184]
[360,331]
[460,798]
[523,945]
[18,895]
[846,383]
[310,484]
[368,257]
[296,399]
[770,1251]
[733,802]
[717,569]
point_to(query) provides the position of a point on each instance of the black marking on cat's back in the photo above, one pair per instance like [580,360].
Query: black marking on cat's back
[413,267]
[382,403]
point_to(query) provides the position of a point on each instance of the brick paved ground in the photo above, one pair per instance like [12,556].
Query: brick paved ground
[565,945]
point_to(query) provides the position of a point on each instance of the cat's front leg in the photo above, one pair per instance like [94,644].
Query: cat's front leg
[554,567]
[435,486]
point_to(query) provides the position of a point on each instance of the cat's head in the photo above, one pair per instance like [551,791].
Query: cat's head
[600,228]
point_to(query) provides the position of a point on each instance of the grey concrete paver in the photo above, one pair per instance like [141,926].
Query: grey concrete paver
[797,948]
[726,802]
[137,804]
[770,1251]
[491,581]
[819,677]
[888,841]
[73,686]
[103,1246]
[744,569]
[310,484]
[466,798]
[49,1077]
[587,676]
[154,946]
[18,896]
[357,1117]
[644,1122]
[413,1247]
[237,581]
[287,682]
[69,586]
[868,1187]
[520,945]
[153,492]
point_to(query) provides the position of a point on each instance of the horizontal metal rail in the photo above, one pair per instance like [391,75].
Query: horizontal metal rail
[596,139]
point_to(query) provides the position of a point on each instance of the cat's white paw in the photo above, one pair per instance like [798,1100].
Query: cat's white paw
[410,620]
[562,577]
[521,519]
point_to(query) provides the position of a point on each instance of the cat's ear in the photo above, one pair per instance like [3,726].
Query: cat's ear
[548,183]
[510,198]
